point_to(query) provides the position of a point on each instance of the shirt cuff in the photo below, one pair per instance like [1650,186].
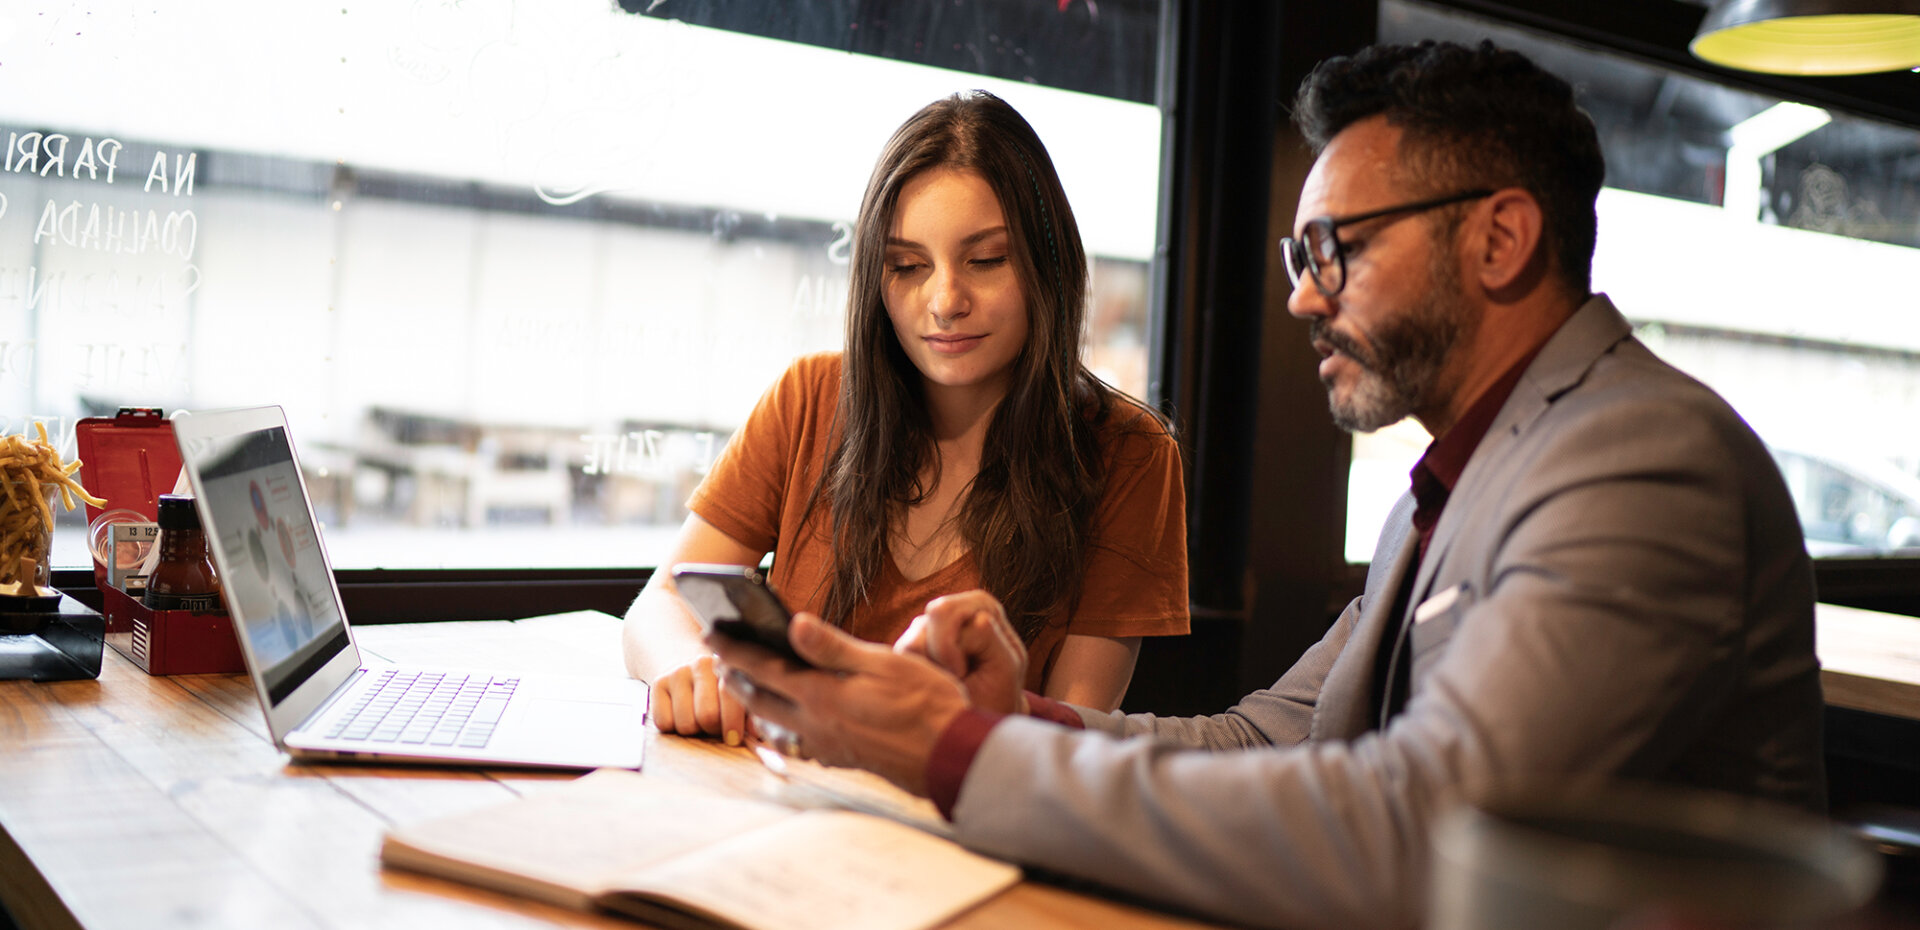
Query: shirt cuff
[953,754]
[1059,712]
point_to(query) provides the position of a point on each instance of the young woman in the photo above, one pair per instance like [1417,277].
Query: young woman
[958,442]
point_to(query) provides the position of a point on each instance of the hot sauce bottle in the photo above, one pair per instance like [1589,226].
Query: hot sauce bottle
[184,578]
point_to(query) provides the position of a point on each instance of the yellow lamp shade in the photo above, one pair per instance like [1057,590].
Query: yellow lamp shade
[1812,37]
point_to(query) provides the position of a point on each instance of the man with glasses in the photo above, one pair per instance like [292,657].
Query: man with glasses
[1596,574]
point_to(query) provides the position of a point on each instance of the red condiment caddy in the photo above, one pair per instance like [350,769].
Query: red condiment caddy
[130,460]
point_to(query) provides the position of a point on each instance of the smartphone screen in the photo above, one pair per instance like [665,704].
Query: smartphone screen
[735,601]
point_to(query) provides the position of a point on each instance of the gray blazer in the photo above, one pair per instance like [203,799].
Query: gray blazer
[1618,587]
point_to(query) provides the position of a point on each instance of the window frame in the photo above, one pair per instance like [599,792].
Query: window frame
[373,596]
[1267,556]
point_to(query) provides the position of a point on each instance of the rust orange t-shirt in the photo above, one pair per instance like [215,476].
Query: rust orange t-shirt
[1136,576]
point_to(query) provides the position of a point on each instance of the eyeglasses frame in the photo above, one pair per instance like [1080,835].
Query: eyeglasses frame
[1332,225]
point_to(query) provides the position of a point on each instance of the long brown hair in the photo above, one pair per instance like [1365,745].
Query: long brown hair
[1026,515]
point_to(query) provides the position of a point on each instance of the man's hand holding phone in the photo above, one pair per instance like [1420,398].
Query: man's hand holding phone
[854,703]
[875,707]
[735,601]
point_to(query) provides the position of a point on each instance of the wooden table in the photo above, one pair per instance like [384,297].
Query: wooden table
[1869,660]
[144,802]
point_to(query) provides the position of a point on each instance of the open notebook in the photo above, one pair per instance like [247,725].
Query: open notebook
[686,857]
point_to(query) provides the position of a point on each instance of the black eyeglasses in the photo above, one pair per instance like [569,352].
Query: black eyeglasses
[1319,254]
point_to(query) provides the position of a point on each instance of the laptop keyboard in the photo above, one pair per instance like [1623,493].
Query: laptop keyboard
[426,708]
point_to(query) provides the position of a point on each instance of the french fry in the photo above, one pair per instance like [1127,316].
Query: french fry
[30,470]
[39,499]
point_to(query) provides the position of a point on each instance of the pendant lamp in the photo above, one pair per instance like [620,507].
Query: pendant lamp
[1811,37]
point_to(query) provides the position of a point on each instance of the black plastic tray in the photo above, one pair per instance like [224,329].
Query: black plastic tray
[50,645]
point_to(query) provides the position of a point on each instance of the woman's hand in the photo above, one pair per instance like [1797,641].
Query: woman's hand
[688,700]
[968,635]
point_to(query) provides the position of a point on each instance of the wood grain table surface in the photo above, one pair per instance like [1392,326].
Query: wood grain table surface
[1869,660]
[142,802]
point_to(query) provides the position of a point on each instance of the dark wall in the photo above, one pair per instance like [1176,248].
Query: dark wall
[1093,47]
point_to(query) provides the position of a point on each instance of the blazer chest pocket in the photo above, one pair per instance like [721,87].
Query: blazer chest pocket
[1434,623]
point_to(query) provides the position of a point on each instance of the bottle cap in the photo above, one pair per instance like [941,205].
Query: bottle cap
[177,513]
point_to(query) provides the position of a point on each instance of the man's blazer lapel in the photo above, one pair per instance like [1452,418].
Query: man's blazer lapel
[1562,363]
[1344,709]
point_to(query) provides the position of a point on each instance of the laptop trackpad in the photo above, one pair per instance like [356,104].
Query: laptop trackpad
[544,719]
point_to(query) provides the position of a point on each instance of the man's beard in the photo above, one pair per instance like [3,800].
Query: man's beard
[1398,376]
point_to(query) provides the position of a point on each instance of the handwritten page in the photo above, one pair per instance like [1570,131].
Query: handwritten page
[829,870]
[579,836]
[807,784]
[686,856]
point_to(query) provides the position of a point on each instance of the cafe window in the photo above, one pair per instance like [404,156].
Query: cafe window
[1761,245]
[515,271]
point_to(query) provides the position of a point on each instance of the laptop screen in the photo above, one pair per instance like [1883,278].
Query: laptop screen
[277,582]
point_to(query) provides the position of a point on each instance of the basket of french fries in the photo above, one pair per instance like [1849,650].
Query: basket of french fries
[32,477]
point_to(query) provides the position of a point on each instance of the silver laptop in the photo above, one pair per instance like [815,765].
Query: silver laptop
[323,701]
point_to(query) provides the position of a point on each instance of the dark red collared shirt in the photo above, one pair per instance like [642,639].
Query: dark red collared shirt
[1434,478]
[1439,469]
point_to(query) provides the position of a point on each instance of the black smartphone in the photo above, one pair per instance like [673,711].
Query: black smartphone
[736,601]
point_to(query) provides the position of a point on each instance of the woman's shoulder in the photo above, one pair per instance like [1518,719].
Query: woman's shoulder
[795,414]
[811,380]
[816,368]
[1129,424]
